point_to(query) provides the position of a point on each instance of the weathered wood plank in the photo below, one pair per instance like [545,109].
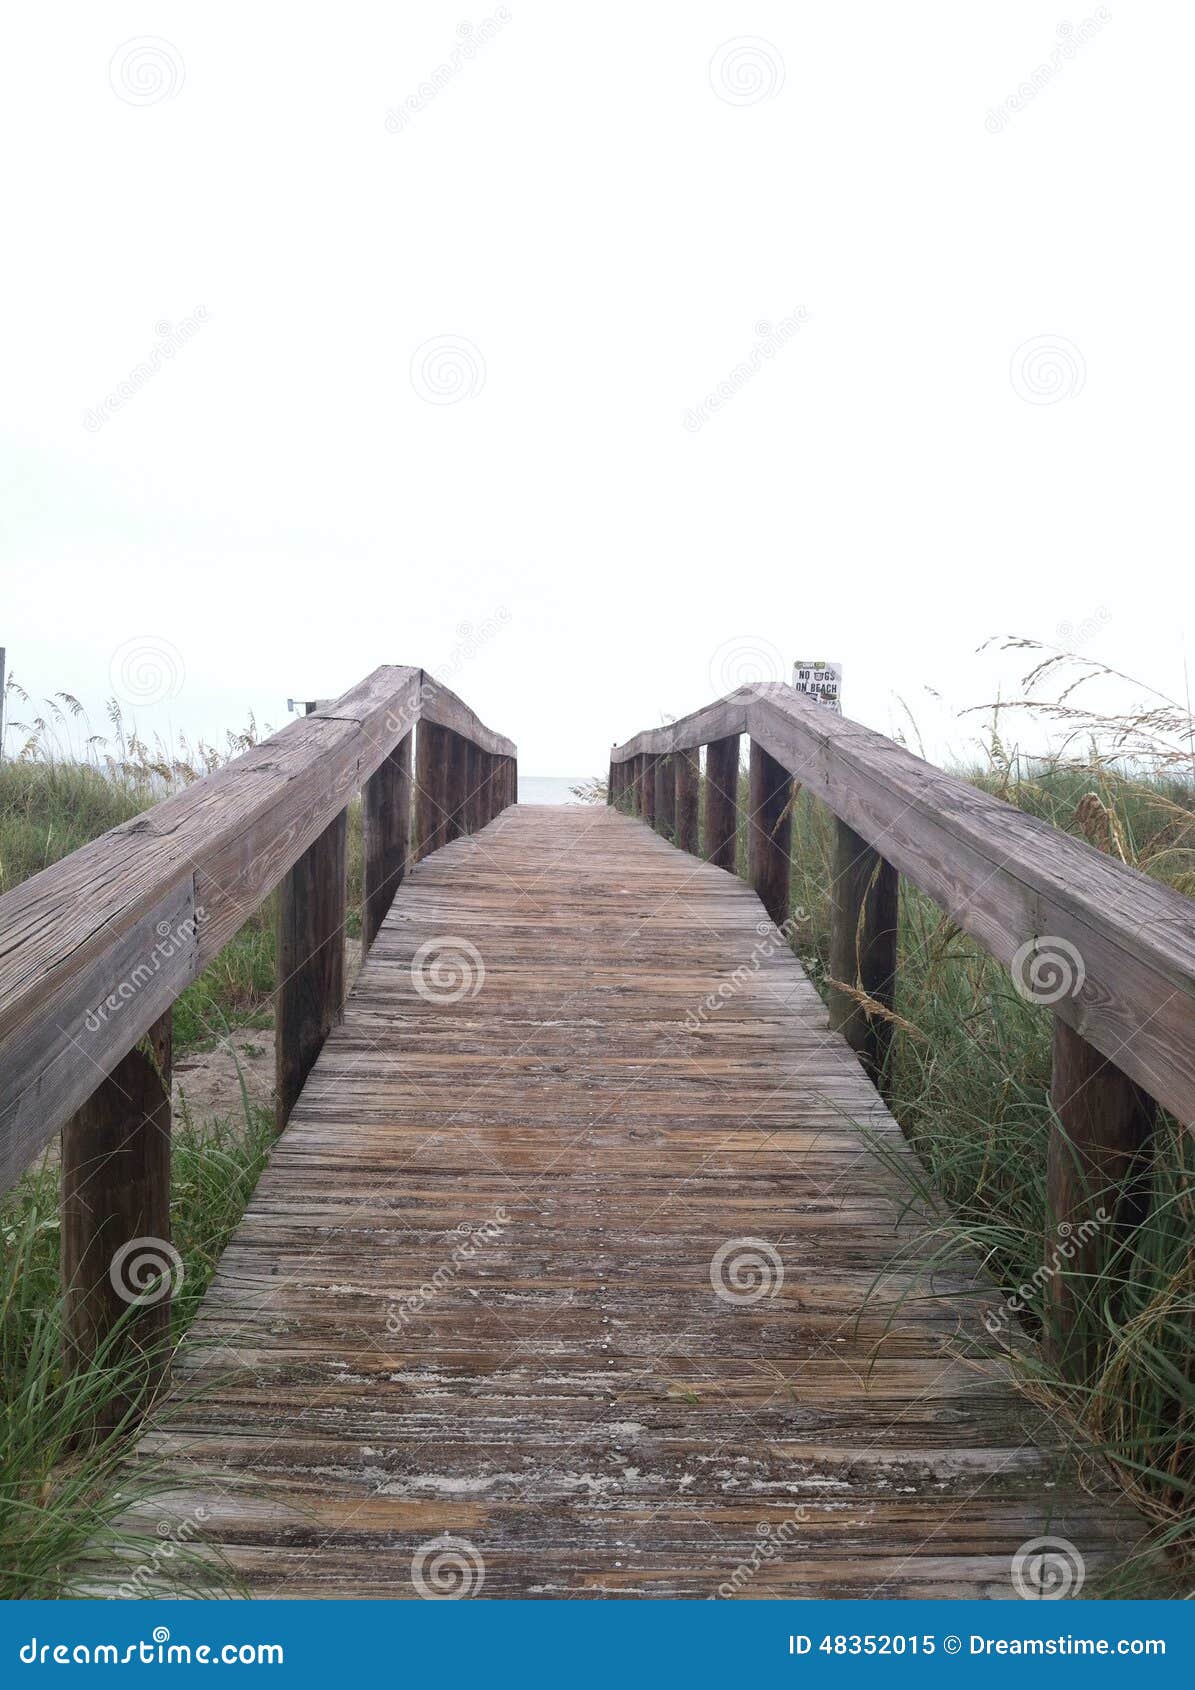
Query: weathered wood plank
[119,1271]
[1097,1185]
[386,833]
[864,905]
[487,1283]
[69,934]
[52,1061]
[310,961]
[1018,885]
[720,844]
[769,832]
[687,769]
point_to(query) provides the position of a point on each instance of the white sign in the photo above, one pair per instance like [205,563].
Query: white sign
[822,681]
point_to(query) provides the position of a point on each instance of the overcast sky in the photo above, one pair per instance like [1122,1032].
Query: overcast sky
[412,316]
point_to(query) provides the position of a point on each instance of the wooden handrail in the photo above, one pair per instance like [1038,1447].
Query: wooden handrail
[1005,877]
[142,910]
[95,949]
[1110,951]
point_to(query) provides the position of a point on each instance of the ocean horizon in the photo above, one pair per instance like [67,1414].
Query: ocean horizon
[550,789]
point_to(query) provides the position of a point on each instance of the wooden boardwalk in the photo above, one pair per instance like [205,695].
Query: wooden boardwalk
[572,1275]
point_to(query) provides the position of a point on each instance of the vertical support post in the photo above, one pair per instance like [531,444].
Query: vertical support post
[310,952]
[115,1227]
[487,787]
[722,802]
[611,778]
[769,834]
[470,809]
[688,779]
[665,796]
[1097,1179]
[864,904]
[455,789]
[431,776]
[386,831]
[649,789]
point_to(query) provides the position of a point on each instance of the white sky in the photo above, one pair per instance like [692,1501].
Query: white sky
[278,510]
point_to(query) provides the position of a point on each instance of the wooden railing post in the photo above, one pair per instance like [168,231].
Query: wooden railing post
[310,960]
[1096,1187]
[722,802]
[488,791]
[649,789]
[769,832]
[864,903]
[665,797]
[688,780]
[456,790]
[431,781]
[386,830]
[115,1229]
[470,756]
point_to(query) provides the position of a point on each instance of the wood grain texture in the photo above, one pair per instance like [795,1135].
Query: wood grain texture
[1097,1186]
[385,834]
[74,934]
[720,840]
[489,1284]
[687,767]
[309,945]
[666,797]
[1010,880]
[864,906]
[769,832]
[115,1228]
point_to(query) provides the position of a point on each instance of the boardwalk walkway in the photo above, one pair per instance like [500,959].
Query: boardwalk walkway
[643,1360]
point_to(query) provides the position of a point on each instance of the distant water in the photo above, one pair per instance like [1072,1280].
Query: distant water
[548,789]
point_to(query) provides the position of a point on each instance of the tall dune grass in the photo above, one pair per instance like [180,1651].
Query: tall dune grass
[969,1075]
